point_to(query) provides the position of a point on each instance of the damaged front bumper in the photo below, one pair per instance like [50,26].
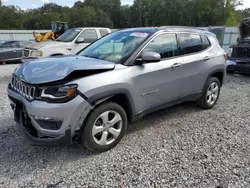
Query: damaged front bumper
[241,65]
[45,123]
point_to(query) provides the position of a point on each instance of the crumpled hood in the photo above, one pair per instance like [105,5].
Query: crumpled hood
[52,69]
[47,44]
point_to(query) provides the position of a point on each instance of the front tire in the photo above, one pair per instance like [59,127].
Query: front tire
[210,94]
[104,128]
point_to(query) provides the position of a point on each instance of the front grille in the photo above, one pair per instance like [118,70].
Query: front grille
[26,53]
[23,89]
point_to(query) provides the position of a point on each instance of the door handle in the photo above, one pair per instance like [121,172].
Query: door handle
[206,58]
[176,65]
[69,49]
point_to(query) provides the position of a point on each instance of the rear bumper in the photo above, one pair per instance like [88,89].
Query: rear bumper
[239,68]
[239,65]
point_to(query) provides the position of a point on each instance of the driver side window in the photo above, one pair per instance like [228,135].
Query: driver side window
[9,45]
[89,35]
[164,44]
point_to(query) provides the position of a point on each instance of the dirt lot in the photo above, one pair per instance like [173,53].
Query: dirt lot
[179,147]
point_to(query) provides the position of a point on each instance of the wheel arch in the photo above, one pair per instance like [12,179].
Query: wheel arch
[120,96]
[220,74]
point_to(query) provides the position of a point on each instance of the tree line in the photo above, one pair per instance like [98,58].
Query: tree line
[112,14]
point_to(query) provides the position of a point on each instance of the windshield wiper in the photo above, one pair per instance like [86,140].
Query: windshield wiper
[91,57]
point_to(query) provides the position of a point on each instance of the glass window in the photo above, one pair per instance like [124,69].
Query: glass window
[69,36]
[9,45]
[104,32]
[165,45]
[116,47]
[205,42]
[190,43]
[89,35]
[23,44]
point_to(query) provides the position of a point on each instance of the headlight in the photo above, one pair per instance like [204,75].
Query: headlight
[59,93]
[36,53]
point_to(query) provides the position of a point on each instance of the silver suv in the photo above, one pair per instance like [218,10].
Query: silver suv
[125,75]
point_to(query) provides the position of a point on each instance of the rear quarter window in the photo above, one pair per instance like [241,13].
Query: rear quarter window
[104,32]
[205,41]
[190,43]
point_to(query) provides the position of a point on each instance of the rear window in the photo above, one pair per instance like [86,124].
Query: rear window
[103,32]
[190,43]
[205,41]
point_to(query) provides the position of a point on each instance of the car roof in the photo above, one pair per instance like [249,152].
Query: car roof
[169,28]
[90,28]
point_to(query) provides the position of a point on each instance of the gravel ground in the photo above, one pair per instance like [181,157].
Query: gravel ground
[179,147]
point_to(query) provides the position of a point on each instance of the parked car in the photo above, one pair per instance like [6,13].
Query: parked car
[12,50]
[239,53]
[69,43]
[120,78]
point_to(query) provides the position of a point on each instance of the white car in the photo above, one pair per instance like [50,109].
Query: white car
[69,43]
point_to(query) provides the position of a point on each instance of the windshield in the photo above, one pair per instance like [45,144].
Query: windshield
[69,36]
[115,47]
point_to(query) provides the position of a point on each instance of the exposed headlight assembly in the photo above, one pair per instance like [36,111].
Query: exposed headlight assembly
[36,53]
[59,94]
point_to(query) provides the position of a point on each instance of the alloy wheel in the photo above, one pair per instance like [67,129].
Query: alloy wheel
[212,93]
[107,128]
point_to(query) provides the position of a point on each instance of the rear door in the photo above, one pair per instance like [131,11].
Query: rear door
[194,63]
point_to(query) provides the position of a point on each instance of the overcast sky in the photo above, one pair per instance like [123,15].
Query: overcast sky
[24,4]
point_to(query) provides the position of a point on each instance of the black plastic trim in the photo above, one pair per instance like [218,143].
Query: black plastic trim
[239,68]
[82,95]
[191,97]
[95,98]
[214,72]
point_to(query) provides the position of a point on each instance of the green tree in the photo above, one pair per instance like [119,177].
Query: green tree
[110,13]
[231,19]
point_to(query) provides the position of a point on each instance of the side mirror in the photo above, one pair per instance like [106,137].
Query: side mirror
[238,39]
[148,57]
[80,40]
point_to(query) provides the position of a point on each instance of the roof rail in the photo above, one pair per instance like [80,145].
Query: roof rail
[181,27]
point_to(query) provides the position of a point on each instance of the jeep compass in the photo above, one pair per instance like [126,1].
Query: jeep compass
[90,97]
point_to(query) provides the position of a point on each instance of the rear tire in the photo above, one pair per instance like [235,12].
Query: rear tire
[210,94]
[104,128]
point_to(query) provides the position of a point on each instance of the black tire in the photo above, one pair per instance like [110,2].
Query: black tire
[86,137]
[202,101]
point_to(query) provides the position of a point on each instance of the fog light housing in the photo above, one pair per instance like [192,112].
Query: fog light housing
[49,123]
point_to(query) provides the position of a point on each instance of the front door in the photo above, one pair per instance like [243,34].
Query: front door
[159,83]
[84,39]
